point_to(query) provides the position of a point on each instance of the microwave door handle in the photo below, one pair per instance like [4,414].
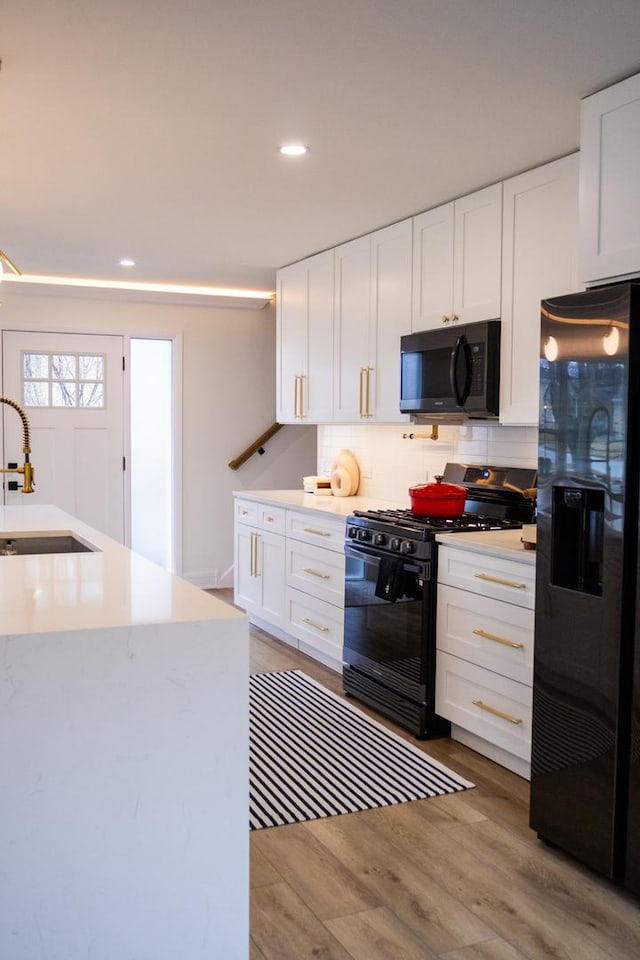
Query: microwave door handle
[462,344]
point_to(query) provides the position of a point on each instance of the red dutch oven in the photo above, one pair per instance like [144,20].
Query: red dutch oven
[445,500]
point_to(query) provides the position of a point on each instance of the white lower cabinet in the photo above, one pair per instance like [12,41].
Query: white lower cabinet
[484,659]
[260,556]
[315,570]
[317,625]
[315,584]
[289,576]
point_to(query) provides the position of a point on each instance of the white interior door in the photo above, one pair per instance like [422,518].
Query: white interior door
[72,389]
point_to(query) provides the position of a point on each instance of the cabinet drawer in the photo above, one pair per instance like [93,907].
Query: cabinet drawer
[487,575]
[486,704]
[316,571]
[316,623]
[246,511]
[316,528]
[487,632]
[271,518]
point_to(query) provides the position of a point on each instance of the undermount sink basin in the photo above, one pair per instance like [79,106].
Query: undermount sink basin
[26,544]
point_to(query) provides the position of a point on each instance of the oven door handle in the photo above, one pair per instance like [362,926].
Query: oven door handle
[462,346]
[416,566]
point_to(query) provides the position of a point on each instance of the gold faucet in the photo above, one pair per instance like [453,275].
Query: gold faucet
[27,468]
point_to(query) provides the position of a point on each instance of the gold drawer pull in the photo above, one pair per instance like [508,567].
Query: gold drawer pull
[270,519]
[496,713]
[317,533]
[497,639]
[316,573]
[503,583]
[318,626]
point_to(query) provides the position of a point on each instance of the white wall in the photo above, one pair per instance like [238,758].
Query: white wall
[228,401]
[389,464]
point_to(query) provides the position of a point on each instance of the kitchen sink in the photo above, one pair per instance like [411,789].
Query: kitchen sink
[27,545]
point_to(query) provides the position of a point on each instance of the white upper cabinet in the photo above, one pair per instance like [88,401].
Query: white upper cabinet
[391,308]
[540,259]
[372,311]
[432,298]
[353,330]
[305,340]
[609,183]
[457,251]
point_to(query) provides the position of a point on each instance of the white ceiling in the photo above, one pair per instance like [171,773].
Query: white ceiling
[149,128]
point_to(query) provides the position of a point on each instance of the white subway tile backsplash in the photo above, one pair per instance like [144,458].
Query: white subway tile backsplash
[390,464]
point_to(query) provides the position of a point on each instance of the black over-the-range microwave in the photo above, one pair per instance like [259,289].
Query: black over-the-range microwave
[452,370]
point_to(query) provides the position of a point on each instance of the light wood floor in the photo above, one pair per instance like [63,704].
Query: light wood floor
[460,877]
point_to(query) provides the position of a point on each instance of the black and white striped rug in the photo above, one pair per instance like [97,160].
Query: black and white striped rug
[314,755]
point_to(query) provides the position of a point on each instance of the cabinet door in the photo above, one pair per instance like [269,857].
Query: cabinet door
[540,256]
[245,583]
[292,340]
[477,255]
[353,334]
[391,250]
[432,286]
[609,183]
[270,575]
[317,392]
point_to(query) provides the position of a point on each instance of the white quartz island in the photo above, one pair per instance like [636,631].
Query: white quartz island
[123,757]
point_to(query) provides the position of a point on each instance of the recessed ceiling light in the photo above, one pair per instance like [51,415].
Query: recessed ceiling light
[127,262]
[293,149]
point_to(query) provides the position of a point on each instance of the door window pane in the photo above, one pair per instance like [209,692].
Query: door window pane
[64,394]
[36,365]
[91,395]
[91,368]
[64,367]
[36,394]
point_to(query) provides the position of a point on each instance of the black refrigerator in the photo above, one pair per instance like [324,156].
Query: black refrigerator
[585,765]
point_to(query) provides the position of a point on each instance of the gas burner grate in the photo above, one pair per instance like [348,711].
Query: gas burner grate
[468,522]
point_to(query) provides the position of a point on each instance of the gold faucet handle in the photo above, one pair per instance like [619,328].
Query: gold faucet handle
[29,478]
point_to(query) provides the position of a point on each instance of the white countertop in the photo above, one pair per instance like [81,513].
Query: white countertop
[339,506]
[111,588]
[498,543]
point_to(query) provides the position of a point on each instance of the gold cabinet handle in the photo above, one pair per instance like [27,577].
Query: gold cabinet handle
[269,519]
[317,533]
[495,712]
[445,318]
[368,392]
[301,379]
[494,636]
[317,626]
[244,513]
[316,573]
[295,397]
[454,317]
[361,395]
[253,554]
[256,553]
[503,583]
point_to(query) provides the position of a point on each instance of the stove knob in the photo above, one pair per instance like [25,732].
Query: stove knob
[352,533]
[395,543]
[379,539]
[406,546]
[363,535]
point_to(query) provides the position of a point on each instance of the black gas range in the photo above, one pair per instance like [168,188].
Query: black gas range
[390,591]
